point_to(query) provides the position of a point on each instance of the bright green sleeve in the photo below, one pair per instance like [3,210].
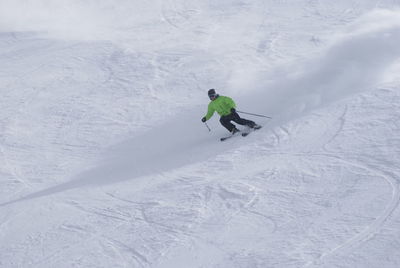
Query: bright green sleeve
[230,102]
[210,111]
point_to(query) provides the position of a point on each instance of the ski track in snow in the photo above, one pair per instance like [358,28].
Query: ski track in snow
[372,229]
[89,179]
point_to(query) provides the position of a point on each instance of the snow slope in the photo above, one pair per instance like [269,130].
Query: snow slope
[105,163]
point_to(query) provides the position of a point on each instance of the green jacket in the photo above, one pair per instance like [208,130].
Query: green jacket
[222,105]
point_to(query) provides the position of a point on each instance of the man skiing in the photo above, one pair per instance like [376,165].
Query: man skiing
[225,107]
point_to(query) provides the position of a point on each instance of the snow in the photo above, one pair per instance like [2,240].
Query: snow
[105,162]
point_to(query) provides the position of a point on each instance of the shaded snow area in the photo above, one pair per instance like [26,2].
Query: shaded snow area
[105,162]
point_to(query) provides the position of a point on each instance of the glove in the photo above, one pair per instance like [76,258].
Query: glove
[203,119]
[233,110]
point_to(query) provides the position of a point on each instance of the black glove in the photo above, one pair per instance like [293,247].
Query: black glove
[233,110]
[203,119]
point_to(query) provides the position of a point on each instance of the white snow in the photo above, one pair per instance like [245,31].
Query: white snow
[105,163]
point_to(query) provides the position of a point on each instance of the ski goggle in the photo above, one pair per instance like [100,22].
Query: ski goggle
[212,96]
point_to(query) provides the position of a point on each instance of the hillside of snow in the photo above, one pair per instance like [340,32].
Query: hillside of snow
[105,162]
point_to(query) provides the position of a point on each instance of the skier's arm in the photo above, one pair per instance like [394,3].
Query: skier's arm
[230,103]
[210,112]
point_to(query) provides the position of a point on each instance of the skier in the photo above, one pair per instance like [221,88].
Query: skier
[225,107]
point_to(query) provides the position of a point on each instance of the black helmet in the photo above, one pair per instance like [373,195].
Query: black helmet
[211,92]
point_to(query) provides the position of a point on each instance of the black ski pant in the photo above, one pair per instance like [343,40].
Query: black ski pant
[226,121]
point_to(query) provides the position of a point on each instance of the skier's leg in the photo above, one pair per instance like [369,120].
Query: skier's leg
[241,121]
[226,122]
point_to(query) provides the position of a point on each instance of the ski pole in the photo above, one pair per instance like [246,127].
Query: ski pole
[209,129]
[260,115]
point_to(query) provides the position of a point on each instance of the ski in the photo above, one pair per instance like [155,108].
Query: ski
[228,137]
[243,134]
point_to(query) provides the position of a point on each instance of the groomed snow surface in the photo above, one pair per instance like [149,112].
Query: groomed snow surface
[105,163]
